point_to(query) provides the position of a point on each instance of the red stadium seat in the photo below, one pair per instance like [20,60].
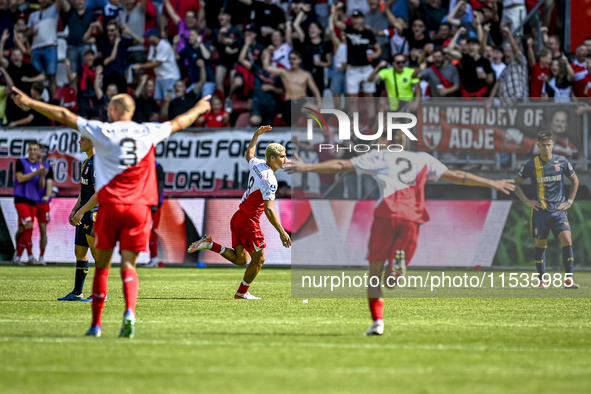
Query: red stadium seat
[67,98]
[242,120]
[239,105]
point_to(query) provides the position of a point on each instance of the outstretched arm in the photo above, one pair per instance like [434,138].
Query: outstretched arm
[185,120]
[59,114]
[326,167]
[253,143]
[465,178]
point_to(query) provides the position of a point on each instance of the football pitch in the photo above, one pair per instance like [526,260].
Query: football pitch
[193,337]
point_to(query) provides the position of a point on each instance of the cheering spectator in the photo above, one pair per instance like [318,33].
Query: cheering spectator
[268,18]
[400,84]
[217,117]
[43,28]
[377,20]
[559,81]
[88,104]
[396,34]
[539,70]
[267,87]
[460,15]
[316,53]
[78,20]
[6,85]
[104,99]
[552,42]
[146,108]
[431,13]
[184,101]
[134,16]
[362,48]
[496,61]
[21,42]
[338,84]
[512,84]
[443,35]
[8,12]
[443,78]
[34,118]
[227,41]
[184,26]
[475,71]
[296,83]
[281,43]
[418,39]
[168,27]
[579,66]
[161,57]
[190,55]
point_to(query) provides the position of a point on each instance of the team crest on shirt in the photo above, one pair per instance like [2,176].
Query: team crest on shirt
[557,168]
[432,136]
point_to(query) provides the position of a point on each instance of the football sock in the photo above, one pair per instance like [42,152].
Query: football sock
[20,245]
[153,245]
[28,234]
[42,252]
[215,247]
[243,288]
[99,293]
[131,287]
[568,259]
[81,272]
[376,308]
[540,258]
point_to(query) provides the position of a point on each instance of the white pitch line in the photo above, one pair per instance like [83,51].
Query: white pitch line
[330,345]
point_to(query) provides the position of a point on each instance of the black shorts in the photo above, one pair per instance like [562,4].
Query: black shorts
[265,110]
[292,110]
[85,228]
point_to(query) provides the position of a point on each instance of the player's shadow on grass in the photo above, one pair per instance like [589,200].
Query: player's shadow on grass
[278,334]
[179,298]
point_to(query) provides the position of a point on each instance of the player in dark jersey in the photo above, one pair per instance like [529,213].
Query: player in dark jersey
[154,261]
[549,206]
[26,192]
[42,211]
[83,216]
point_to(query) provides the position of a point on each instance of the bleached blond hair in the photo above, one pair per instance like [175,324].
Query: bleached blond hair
[273,149]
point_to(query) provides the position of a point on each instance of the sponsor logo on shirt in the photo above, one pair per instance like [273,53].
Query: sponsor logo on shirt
[547,179]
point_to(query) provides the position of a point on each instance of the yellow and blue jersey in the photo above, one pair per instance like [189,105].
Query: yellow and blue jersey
[546,178]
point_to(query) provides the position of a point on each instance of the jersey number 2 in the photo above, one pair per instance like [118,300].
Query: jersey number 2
[129,150]
[407,168]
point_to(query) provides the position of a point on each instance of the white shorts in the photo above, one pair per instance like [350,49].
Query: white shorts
[512,17]
[357,75]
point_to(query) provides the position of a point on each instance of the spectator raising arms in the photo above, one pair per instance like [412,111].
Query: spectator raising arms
[227,41]
[161,58]
[400,84]
[190,55]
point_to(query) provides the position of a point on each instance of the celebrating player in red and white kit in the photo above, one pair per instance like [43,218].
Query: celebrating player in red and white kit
[401,177]
[126,187]
[247,238]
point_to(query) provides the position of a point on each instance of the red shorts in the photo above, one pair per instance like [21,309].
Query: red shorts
[42,213]
[26,213]
[128,224]
[247,232]
[156,218]
[389,235]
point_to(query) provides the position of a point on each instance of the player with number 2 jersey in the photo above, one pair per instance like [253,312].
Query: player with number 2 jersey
[401,177]
[247,238]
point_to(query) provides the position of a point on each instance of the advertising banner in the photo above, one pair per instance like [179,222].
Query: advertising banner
[196,163]
[445,125]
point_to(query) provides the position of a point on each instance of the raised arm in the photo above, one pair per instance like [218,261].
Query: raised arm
[137,40]
[5,35]
[202,78]
[451,17]
[531,57]
[185,120]
[140,86]
[512,43]
[250,152]
[374,76]
[59,114]
[298,33]
[483,38]
[72,75]
[98,91]
[87,38]
[9,83]
[171,12]
[267,63]
[336,41]
[335,7]
[113,54]
[243,56]
[64,5]
[570,73]
[394,21]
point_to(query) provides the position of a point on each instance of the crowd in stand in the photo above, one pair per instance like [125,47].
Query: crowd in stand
[259,59]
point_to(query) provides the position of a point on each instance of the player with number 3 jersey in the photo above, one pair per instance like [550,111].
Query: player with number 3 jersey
[247,238]
[126,189]
[401,178]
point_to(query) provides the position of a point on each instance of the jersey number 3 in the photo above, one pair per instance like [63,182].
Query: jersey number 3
[129,152]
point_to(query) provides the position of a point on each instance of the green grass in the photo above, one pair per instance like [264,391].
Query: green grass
[192,337]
